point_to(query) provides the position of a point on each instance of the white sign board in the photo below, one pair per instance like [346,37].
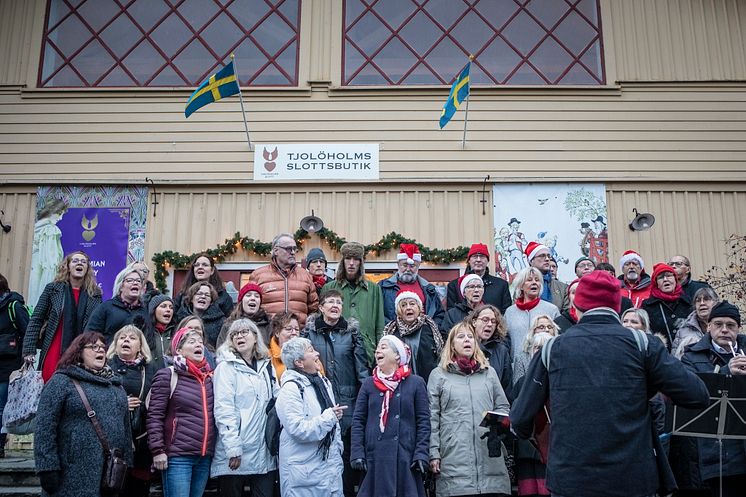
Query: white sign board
[315,161]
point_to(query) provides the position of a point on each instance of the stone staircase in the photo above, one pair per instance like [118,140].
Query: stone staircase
[17,476]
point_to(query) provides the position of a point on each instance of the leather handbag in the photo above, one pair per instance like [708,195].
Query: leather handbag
[115,467]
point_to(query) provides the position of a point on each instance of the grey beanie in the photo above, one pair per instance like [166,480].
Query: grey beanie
[315,254]
[157,300]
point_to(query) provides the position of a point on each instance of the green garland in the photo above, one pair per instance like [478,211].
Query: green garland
[163,260]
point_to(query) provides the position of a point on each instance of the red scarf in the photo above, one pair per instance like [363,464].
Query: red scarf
[387,385]
[667,297]
[160,328]
[467,366]
[526,306]
[200,370]
[573,315]
[319,281]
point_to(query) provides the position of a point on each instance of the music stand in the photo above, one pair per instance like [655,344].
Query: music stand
[723,419]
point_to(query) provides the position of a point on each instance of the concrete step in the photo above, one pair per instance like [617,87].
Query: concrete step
[20,491]
[17,470]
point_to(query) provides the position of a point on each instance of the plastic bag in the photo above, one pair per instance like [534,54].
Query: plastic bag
[24,390]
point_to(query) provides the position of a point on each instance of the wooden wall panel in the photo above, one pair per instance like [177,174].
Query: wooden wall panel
[19,207]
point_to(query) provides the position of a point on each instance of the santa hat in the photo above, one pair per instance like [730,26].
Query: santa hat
[401,348]
[479,248]
[409,252]
[466,279]
[631,255]
[407,295]
[533,249]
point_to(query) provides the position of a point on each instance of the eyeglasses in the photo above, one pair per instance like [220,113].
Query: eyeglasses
[240,333]
[291,249]
[79,261]
[291,328]
[333,301]
[677,264]
[728,325]
[478,256]
[586,265]
[203,294]
[545,327]
[132,280]
[487,320]
[473,287]
[542,256]
[96,347]
[703,299]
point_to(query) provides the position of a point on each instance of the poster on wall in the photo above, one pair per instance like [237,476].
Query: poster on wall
[568,218]
[106,222]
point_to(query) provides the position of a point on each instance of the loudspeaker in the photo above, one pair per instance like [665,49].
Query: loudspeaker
[311,223]
[641,222]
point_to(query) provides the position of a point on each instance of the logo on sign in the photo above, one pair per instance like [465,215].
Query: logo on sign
[270,158]
[88,227]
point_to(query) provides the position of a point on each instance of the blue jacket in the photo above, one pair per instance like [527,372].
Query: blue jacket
[599,383]
[702,358]
[433,305]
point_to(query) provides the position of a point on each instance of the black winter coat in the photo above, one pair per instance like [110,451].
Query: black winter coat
[65,440]
[599,383]
[427,356]
[406,438]
[160,343]
[564,321]
[224,302]
[702,358]
[212,319]
[667,317]
[343,355]
[112,315]
[12,332]
[454,315]
[48,313]
[496,292]
[498,354]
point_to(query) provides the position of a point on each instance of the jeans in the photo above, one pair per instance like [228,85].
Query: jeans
[3,401]
[186,476]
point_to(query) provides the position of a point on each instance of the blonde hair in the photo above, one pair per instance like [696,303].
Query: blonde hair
[122,275]
[130,328]
[521,278]
[446,357]
[539,340]
[529,341]
[260,348]
[89,279]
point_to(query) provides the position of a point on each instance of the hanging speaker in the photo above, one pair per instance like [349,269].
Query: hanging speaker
[641,222]
[311,223]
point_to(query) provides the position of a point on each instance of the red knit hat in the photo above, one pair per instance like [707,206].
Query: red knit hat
[659,268]
[598,289]
[479,248]
[409,252]
[533,249]
[249,287]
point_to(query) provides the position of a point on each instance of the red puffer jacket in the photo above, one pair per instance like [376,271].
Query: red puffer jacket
[294,292]
[182,425]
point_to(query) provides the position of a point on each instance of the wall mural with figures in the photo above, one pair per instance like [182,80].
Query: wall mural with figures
[569,218]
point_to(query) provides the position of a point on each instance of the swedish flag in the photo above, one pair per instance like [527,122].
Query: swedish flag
[220,85]
[459,92]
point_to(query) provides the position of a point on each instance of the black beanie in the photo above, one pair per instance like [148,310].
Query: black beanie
[725,309]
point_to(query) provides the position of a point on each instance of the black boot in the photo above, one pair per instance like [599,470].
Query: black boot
[3,438]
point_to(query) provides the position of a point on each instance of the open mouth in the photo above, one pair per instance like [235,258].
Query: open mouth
[253,306]
[202,301]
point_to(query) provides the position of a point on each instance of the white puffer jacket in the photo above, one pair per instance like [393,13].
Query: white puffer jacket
[241,397]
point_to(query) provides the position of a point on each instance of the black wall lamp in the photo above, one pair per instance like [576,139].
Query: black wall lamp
[6,227]
[641,222]
[311,223]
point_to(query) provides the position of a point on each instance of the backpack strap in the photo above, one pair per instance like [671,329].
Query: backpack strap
[301,388]
[174,379]
[546,352]
[12,314]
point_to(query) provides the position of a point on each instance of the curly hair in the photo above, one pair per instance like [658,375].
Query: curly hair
[502,326]
[89,279]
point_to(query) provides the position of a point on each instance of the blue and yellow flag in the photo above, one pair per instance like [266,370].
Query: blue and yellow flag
[459,92]
[220,85]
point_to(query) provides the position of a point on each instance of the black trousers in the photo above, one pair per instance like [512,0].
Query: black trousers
[259,485]
[733,486]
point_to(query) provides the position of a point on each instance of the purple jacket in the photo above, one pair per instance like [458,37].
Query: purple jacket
[182,425]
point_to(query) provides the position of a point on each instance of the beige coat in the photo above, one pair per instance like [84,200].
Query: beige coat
[457,405]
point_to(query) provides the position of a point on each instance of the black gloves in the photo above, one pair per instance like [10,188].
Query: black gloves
[50,481]
[359,465]
[420,466]
[495,437]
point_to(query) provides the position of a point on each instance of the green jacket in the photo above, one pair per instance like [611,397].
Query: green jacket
[364,302]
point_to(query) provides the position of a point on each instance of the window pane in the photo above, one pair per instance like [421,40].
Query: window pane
[168,42]
[537,42]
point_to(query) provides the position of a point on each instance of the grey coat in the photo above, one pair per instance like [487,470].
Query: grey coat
[65,440]
[457,405]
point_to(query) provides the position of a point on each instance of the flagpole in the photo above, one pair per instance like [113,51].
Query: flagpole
[243,111]
[466,111]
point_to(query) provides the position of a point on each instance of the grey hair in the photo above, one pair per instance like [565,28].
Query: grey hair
[260,348]
[294,350]
[642,314]
[706,291]
[521,278]
[123,274]
[277,238]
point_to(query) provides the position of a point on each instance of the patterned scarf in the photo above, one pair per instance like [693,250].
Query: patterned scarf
[200,370]
[405,329]
[104,372]
[387,385]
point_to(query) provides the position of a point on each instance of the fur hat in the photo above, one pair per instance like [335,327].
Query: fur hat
[354,250]
[157,300]
[598,289]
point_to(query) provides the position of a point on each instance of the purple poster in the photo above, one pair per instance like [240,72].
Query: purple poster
[103,234]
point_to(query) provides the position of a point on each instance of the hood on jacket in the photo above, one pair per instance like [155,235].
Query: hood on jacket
[644,281]
[343,326]
[9,297]
[227,355]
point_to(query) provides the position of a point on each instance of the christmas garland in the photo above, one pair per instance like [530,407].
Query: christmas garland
[168,258]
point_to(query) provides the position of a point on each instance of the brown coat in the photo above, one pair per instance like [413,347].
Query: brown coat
[294,292]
